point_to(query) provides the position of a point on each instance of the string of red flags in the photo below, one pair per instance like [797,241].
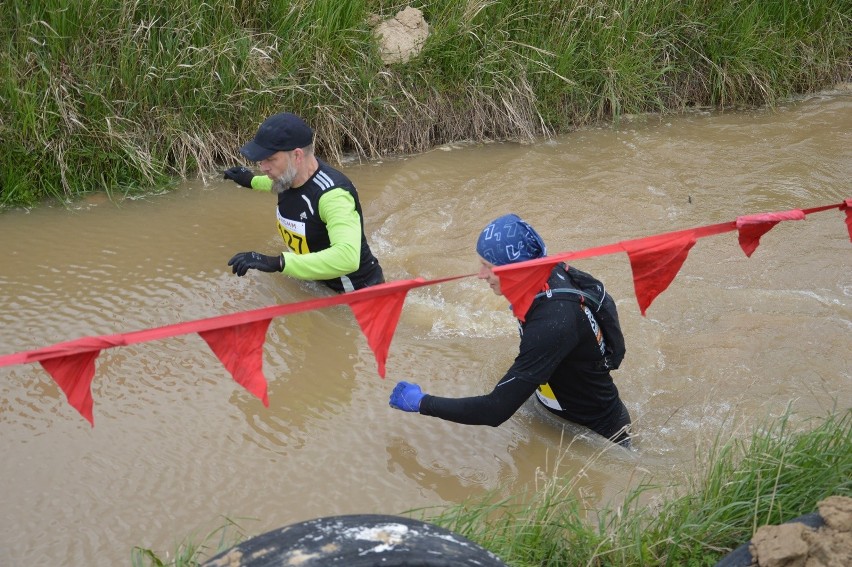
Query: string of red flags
[654,260]
[237,339]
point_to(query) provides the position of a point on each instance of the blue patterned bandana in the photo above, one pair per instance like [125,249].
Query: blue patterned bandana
[508,239]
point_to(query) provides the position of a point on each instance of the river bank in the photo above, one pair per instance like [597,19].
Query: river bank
[117,97]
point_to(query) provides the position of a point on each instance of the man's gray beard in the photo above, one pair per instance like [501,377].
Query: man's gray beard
[285,181]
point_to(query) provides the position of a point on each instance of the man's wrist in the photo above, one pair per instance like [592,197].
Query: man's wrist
[261,183]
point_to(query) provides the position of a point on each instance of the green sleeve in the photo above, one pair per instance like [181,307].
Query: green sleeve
[261,183]
[337,211]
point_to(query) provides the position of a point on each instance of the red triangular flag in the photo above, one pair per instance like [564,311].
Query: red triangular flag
[656,261]
[378,317]
[752,227]
[74,373]
[520,282]
[240,348]
[848,203]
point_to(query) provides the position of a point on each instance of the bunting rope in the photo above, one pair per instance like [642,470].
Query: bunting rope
[237,339]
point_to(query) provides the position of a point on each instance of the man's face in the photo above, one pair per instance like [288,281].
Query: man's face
[280,167]
[486,272]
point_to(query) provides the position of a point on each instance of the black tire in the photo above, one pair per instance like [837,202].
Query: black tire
[363,540]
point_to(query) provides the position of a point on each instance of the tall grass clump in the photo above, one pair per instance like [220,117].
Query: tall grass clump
[190,553]
[118,95]
[774,476]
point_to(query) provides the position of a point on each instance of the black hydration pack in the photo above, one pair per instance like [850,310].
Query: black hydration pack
[591,292]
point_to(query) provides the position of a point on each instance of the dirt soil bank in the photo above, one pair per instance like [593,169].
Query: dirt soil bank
[797,545]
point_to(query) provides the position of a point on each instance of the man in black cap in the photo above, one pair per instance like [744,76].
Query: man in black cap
[319,213]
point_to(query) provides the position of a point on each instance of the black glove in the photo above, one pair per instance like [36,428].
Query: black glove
[241,175]
[245,261]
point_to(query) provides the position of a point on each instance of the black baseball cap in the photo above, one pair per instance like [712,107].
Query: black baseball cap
[279,133]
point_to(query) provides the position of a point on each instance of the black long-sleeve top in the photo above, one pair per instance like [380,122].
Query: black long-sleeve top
[558,346]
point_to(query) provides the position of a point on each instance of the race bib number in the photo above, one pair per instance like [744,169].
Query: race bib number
[293,233]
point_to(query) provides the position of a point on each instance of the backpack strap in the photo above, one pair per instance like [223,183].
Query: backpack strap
[570,286]
[579,292]
[589,292]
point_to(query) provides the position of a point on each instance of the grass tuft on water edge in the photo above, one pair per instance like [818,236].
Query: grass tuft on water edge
[776,475]
[190,552]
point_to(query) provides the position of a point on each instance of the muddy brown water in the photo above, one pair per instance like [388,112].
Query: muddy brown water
[178,447]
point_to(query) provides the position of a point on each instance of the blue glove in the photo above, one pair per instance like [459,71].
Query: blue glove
[406,397]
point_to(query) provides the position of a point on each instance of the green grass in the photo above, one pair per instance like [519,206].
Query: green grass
[191,552]
[121,95]
[777,474]
[118,96]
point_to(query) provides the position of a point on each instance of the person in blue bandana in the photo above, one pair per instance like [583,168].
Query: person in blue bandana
[560,359]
